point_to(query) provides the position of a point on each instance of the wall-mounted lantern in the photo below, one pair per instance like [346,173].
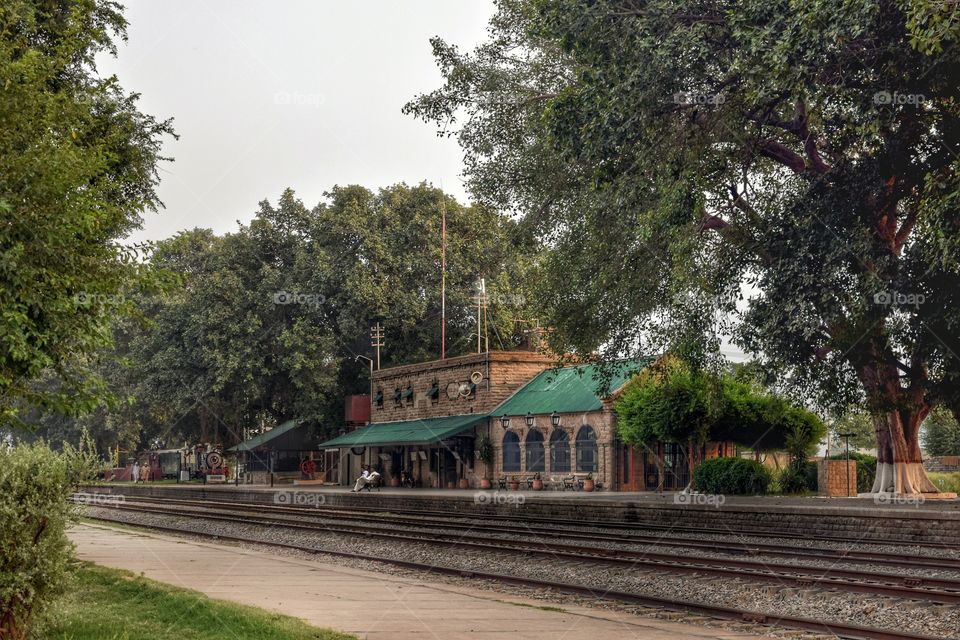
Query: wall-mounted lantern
[555,419]
[505,421]
[530,419]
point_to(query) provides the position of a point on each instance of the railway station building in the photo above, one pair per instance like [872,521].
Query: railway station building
[429,420]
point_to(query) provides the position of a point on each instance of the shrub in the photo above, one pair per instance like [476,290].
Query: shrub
[735,476]
[866,469]
[34,549]
[798,478]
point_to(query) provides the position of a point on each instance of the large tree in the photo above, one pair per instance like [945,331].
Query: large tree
[787,169]
[77,169]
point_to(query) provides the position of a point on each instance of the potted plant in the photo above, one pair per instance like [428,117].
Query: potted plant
[485,455]
[588,483]
[537,482]
[464,483]
[514,483]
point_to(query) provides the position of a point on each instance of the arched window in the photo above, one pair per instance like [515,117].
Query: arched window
[559,451]
[534,451]
[511,451]
[586,449]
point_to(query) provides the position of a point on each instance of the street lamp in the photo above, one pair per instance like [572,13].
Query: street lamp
[505,421]
[530,419]
[555,419]
[846,445]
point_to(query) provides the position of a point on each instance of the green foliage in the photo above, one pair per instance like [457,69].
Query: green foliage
[731,476]
[783,167]
[83,462]
[866,469]
[798,478]
[107,603]
[860,424]
[267,322]
[78,166]
[484,448]
[34,549]
[667,402]
[941,434]
[671,402]
[946,482]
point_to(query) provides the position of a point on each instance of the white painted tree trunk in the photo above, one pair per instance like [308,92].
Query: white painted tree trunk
[902,477]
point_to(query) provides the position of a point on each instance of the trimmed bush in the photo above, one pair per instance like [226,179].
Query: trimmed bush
[34,549]
[733,476]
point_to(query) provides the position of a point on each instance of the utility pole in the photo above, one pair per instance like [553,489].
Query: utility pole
[443,278]
[846,445]
[376,341]
[481,308]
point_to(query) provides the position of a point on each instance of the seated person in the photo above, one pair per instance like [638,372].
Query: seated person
[366,477]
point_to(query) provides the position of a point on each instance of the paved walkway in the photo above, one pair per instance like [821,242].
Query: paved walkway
[371,605]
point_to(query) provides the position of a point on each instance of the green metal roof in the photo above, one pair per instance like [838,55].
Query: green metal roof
[266,436]
[567,390]
[407,432]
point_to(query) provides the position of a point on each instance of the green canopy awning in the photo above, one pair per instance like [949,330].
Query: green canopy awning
[266,436]
[408,432]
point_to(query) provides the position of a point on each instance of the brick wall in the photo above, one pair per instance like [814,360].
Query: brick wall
[503,372]
[832,477]
[602,421]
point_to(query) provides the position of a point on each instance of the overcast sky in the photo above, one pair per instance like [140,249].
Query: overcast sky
[305,94]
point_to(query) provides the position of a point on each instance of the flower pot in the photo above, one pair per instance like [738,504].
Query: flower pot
[450,485]
[538,485]
[486,484]
[514,485]
[588,485]
[394,481]
[464,483]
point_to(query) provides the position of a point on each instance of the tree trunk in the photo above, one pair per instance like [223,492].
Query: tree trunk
[899,460]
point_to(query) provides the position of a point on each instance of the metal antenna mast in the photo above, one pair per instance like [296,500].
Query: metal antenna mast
[376,340]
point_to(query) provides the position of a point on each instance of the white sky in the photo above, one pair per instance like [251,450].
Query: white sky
[298,93]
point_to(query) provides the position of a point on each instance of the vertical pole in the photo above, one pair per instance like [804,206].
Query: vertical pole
[846,443]
[443,278]
[479,303]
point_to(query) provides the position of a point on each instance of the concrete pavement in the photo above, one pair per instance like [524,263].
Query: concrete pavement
[373,606]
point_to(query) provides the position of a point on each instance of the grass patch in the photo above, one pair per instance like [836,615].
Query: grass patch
[109,604]
[946,481]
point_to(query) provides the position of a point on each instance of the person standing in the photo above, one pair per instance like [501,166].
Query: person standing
[135,474]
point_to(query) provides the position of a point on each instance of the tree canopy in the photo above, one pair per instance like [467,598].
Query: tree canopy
[671,401]
[266,323]
[78,166]
[782,173]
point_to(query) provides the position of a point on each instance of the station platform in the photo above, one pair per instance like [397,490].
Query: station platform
[865,519]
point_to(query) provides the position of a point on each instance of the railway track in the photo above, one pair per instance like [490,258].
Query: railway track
[732,545]
[936,591]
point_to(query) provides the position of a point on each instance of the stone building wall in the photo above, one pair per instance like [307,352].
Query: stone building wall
[503,372]
[603,422]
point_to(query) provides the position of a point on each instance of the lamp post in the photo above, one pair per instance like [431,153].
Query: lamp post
[846,445]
